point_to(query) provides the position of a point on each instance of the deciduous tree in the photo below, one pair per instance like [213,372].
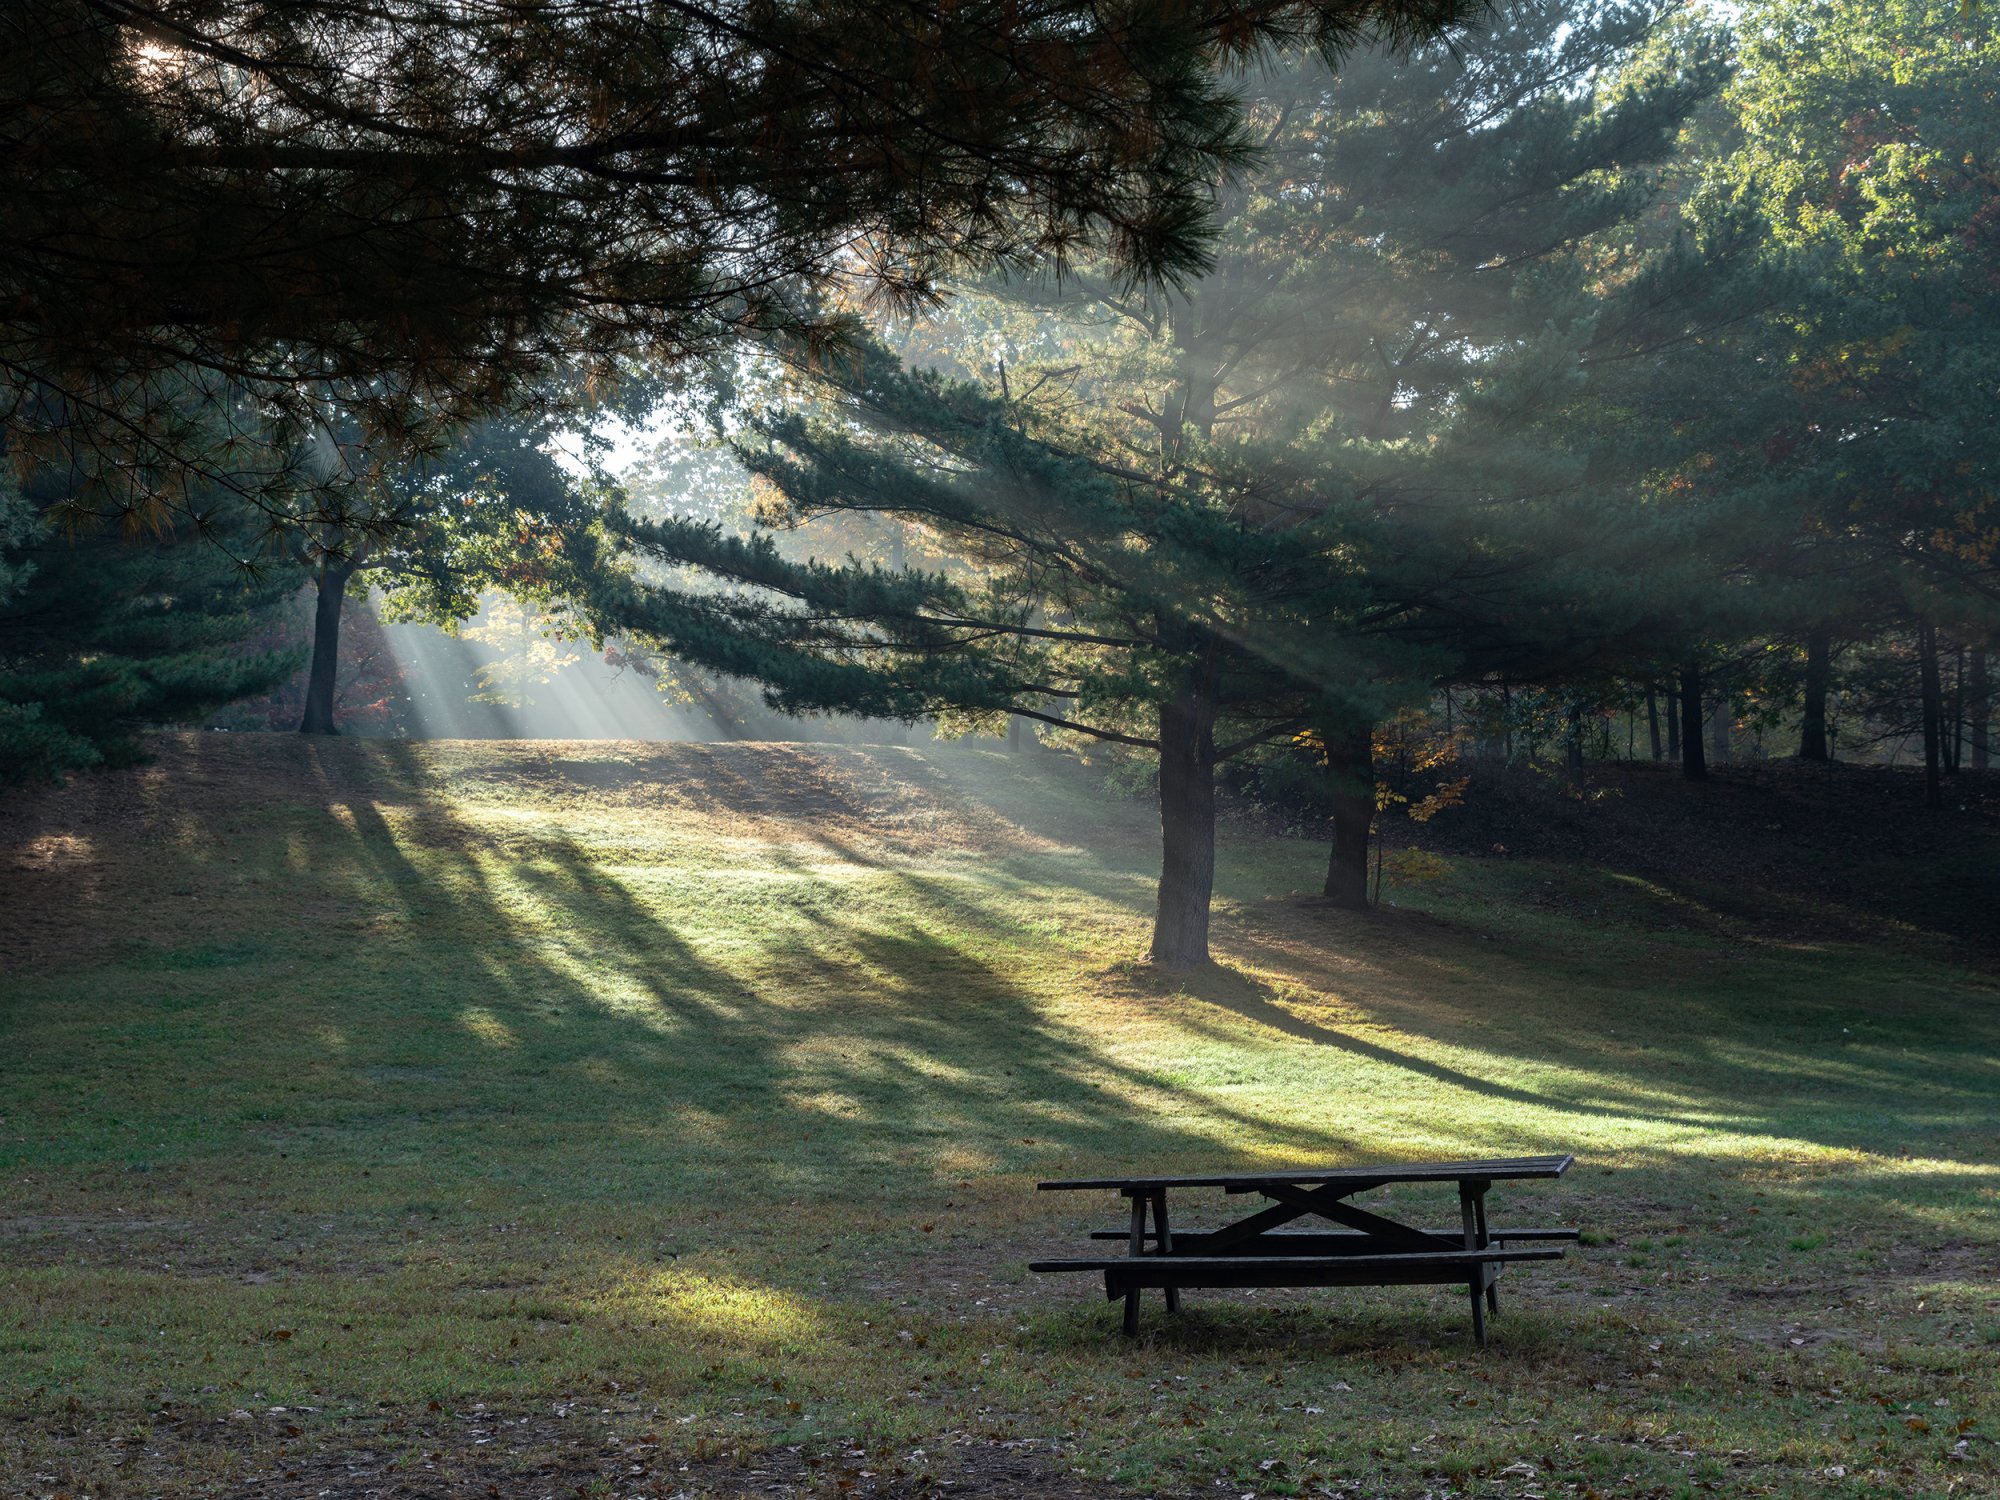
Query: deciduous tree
[1870,138]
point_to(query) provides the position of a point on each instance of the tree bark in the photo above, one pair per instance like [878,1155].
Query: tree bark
[320,682]
[1718,727]
[1927,672]
[1979,709]
[1819,671]
[1694,765]
[1573,739]
[1350,769]
[1951,727]
[1187,825]
[1653,717]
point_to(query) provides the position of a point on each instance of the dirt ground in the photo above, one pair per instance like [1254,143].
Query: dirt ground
[560,1452]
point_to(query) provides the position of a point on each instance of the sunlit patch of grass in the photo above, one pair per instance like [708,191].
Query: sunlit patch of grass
[710,1309]
[488,1027]
[481,1084]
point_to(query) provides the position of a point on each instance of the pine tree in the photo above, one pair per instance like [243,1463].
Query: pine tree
[216,196]
[1340,468]
[103,637]
[1072,610]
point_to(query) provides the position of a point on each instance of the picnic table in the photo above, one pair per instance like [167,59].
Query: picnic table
[1367,1249]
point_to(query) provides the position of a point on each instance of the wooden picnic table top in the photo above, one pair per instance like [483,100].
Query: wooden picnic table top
[1507,1168]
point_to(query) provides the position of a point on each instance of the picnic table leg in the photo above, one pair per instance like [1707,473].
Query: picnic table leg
[1165,1236]
[1492,1271]
[1136,1246]
[1469,1210]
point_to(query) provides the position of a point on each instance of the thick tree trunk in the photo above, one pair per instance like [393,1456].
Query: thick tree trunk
[1673,724]
[1819,671]
[1718,732]
[1187,827]
[1927,672]
[1350,769]
[1653,718]
[1979,709]
[1694,765]
[320,682]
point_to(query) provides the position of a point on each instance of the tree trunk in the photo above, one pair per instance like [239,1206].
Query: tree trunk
[1674,725]
[1979,709]
[1694,765]
[1927,671]
[1819,670]
[1573,740]
[1952,727]
[1187,826]
[1718,728]
[1350,769]
[1653,717]
[325,673]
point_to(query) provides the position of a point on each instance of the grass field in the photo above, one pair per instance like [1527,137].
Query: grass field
[554,1119]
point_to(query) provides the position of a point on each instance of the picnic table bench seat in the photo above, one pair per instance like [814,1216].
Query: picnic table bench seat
[1369,1249]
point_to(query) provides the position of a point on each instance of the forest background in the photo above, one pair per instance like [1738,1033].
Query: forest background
[1609,381]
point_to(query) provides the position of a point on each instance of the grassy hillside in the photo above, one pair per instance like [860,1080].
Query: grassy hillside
[581,1117]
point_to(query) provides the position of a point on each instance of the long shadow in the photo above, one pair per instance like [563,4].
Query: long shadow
[1253,1001]
[1687,1053]
[686,1042]
[932,1045]
[749,1070]
[1249,997]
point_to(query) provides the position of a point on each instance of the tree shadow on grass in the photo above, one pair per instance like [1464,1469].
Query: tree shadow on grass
[741,1067]
[517,1011]
[1257,999]
[808,1044]
[1806,1047]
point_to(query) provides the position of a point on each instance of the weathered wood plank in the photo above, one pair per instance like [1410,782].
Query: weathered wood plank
[1507,1168]
[1190,1238]
[1155,1271]
[1458,1259]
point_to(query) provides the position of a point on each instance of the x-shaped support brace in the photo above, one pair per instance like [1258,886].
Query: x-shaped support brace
[1329,1202]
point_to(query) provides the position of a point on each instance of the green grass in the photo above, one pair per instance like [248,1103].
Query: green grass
[709,1086]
